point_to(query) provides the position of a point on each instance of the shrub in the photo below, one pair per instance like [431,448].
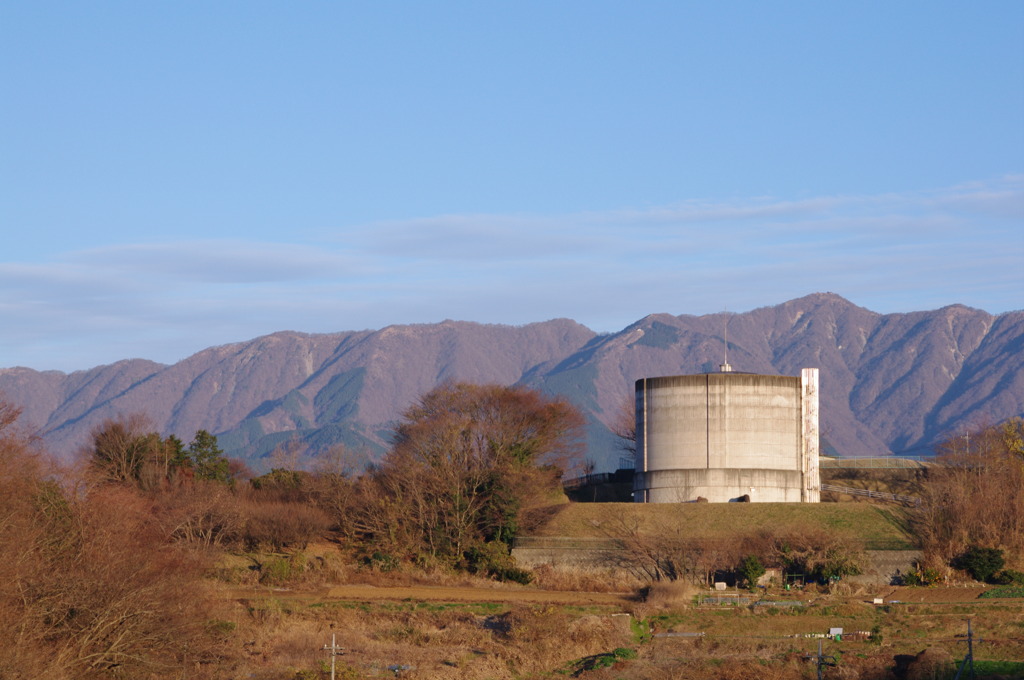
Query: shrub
[751,570]
[276,525]
[1008,577]
[381,561]
[282,485]
[818,555]
[922,576]
[931,575]
[201,514]
[670,594]
[103,593]
[494,560]
[980,563]
[513,574]
[280,570]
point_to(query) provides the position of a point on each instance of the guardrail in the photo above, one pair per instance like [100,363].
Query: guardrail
[868,493]
[877,463]
[586,480]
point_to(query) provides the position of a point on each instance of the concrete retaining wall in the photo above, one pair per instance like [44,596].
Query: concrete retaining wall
[886,565]
[606,556]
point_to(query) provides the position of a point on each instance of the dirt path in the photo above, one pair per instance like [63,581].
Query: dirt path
[367,593]
[452,594]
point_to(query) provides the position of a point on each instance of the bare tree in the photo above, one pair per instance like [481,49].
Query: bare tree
[975,494]
[624,426]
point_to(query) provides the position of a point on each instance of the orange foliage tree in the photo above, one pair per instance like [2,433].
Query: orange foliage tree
[467,462]
[974,496]
[90,584]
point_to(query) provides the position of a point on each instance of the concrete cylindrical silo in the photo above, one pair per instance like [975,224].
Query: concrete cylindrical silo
[727,436]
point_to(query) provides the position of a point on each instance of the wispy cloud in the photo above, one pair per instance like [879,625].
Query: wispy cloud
[220,261]
[888,252]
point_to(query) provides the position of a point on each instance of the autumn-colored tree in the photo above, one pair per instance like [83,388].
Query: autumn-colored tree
[200,514]
[282,510]
[817,554]
[90,584]
[332,484]
[974,495]
[121,448]
[127,451]
[467,461]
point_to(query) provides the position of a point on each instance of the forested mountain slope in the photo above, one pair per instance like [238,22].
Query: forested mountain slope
[889,383]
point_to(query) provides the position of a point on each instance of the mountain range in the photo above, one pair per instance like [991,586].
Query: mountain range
[890,383]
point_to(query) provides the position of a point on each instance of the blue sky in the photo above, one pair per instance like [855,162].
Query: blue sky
[180,175]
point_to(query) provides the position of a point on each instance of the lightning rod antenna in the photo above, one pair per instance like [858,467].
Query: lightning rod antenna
[725,367]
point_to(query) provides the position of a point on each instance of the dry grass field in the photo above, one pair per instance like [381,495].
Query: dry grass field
[474,630]
[416,624]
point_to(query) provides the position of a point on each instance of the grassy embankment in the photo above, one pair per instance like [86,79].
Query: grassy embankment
[866,523]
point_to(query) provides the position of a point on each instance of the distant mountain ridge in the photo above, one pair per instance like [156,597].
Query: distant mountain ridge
[889,382]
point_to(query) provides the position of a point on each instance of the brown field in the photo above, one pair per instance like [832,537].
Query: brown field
[443,625]
[936,594]
[416,625]
[481,631]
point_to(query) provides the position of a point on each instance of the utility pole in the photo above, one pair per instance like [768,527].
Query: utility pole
[969,659]
[335,650]
[970,646]
[821,660]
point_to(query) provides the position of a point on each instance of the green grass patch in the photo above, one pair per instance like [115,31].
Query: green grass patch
[641,630]
[1009,669]
[598,661]
[1004,591]
[472,607]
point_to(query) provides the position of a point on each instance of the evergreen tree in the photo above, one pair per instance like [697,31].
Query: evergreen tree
[207,458]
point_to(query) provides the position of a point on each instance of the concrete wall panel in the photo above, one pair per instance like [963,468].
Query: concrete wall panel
[719,485]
